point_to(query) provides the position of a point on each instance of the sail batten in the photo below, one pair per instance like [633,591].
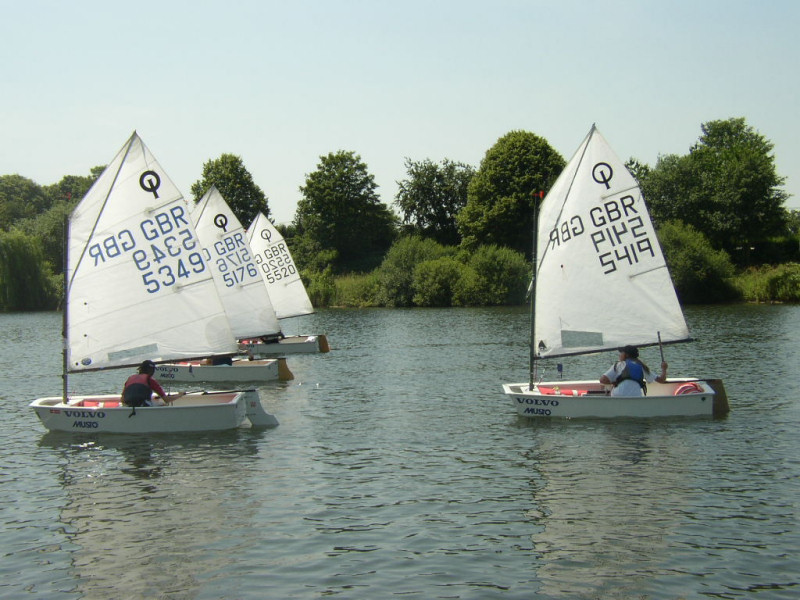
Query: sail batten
[601,278]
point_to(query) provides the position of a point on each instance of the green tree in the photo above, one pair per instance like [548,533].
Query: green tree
[20,198]
[236,185]
[49,225]
[499,207]
[793,222]
[26,281]
[340,210]
[726,187]
[432,196]
[700,273]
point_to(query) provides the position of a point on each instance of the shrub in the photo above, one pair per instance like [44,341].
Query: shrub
[434,281]
[357,290]
[770,284]
[321,286]
[501,275]
[700,273]
[396,273]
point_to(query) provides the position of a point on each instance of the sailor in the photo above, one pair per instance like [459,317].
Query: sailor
[139,388]
[629,375]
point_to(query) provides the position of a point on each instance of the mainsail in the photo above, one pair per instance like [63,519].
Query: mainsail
[601,279]
[240,286]
[286,289]
[137,284]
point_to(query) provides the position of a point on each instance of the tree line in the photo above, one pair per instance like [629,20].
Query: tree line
[461,235]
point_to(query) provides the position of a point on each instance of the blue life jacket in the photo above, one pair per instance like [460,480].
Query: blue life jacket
[633,370]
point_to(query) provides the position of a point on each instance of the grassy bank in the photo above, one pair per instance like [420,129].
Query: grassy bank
[780,283]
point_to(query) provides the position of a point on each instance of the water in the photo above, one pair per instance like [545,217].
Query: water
[400,470]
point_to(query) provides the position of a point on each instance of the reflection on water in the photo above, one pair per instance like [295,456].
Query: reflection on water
[135,508]
[399,469]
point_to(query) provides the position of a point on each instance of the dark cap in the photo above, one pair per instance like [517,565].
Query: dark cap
[147,366]
[631,351]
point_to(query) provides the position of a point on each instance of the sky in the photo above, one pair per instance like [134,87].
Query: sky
[281,84]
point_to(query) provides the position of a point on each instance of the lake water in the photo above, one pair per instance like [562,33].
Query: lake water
[400,470]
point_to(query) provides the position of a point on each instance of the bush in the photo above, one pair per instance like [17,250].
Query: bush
[396,273]
[434,281]
[501,277]
[321,286]
[357,290]
[770,284]
[700,273]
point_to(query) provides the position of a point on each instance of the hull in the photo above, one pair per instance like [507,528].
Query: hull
[240,371]
[213,411]
[587,399]
[297,344]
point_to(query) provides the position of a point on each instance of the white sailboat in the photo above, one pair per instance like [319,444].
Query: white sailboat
[286,291]
[138,287]
[245,300]
[600,283]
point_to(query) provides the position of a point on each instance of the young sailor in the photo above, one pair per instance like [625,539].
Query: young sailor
[139,388]
[629,375]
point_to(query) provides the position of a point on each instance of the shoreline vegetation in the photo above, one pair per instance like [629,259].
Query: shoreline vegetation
[421,273]
[463,235]
[778,284]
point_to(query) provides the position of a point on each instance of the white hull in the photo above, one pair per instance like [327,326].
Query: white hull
[297,344]
[213,411]
[240,371]
[560,399]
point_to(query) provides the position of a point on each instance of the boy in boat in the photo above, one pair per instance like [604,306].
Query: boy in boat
[630,376]
[139,388]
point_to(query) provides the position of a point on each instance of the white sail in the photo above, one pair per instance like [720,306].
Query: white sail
[138,286]
[601,280]
[286,289]
[240,286]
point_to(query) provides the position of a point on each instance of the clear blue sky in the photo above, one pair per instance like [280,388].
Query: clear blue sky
[282,83]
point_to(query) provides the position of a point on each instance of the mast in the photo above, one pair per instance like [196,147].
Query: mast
[537,198]
[64,333]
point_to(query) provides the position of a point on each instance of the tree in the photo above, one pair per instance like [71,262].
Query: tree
[56,203]
[26,281]
[20,198]
[727,187]
[340,210]
[700,273]
[432,196]
[499,207]
[236,185]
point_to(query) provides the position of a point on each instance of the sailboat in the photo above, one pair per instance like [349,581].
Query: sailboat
[600,283]
[137,286]
[286,291]
[244,297]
